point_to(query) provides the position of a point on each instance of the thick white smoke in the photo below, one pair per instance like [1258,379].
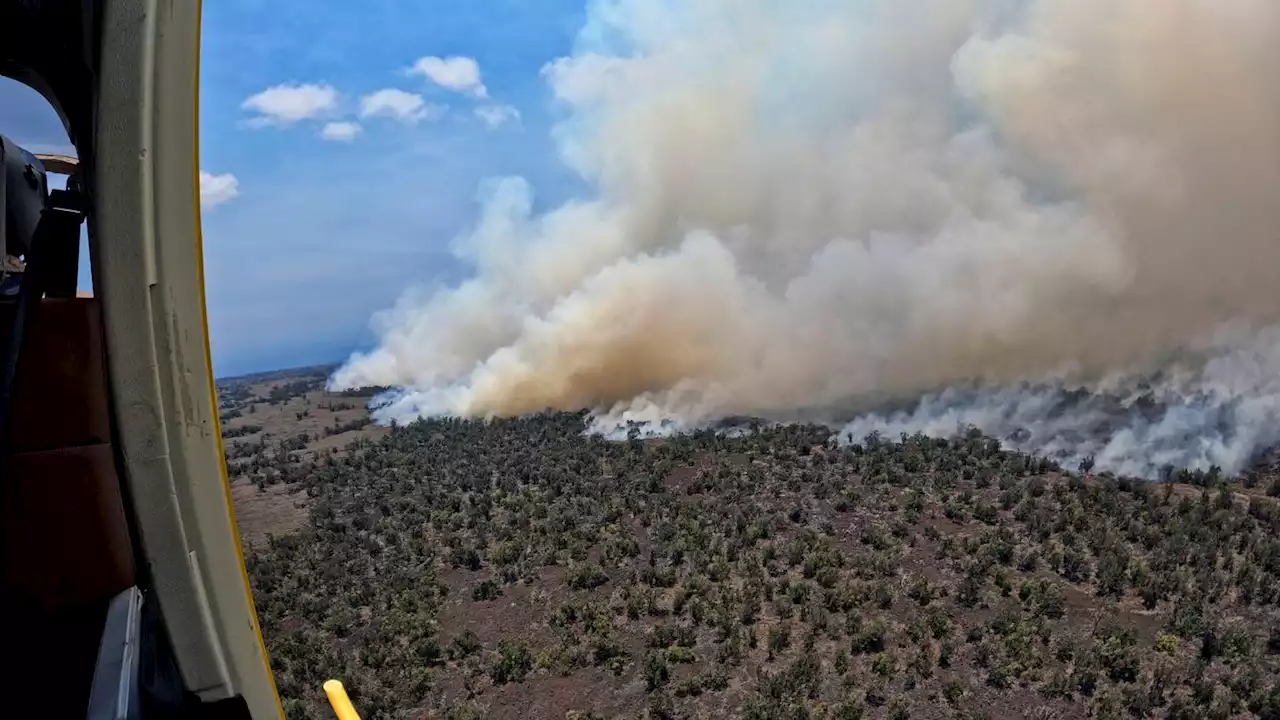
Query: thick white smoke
[811,204]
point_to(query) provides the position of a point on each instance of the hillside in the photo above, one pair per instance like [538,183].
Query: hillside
[520,569]
[275,426]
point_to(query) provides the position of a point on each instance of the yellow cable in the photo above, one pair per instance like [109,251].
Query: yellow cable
[338,699]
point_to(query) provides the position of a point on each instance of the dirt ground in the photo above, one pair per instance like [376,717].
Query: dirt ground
[262,513]
[283,407]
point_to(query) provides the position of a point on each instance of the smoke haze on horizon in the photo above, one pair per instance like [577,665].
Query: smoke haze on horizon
[810,205]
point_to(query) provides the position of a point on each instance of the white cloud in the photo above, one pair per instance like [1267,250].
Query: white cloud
[495,116]
[217,189]
[340,131]
[398,105]
[287,104]
[460,74]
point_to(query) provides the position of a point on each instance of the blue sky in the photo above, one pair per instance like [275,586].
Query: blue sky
[314,235]
[323,233]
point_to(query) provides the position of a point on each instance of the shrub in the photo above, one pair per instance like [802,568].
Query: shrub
[465,645]
[513,664]
[779,638]
[679,654]
[1166,643]
[1119,658]
[939,625]
[870,639]
[884,664]
[465,557]
[715,680]
[1237,643]
[1075,566]
[656,671]
[849,710]
[486,590]
[586,577]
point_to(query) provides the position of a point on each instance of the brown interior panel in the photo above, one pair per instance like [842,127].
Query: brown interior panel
[64,541]
[65,538]
[60,393]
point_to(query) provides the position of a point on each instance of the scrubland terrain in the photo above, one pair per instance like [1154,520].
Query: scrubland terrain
[522,569]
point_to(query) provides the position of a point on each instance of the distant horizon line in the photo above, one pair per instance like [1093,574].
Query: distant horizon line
[295,370]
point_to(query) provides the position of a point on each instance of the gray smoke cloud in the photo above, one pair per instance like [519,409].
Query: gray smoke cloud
[1214,410]
[811,205]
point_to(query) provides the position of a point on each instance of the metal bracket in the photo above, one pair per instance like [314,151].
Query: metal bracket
[115,679]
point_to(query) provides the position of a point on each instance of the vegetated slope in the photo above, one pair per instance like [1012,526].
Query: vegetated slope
[275,425]
[519,569]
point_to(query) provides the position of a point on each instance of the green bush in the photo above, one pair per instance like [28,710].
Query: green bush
[513,664]
[1166,643]
[656,671]
[679,654]
[586,577]
[486,590]
[779,638]
[849,710]
[465,645]
[884,664]
[870,639]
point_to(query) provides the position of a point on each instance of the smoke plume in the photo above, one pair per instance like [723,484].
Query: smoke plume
[813,206]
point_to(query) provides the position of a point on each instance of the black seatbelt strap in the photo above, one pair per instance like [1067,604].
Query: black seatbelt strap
[56,241]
